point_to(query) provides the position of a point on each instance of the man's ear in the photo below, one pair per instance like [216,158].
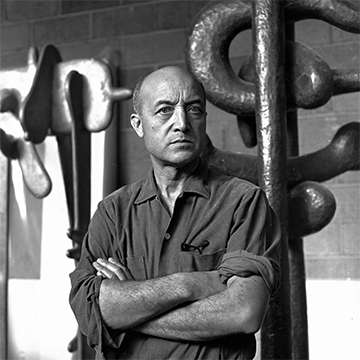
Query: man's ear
[136,123]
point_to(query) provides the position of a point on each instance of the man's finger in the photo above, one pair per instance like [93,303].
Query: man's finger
[112,271]
[125,270]
[103,271]
[99,273]
[115,262]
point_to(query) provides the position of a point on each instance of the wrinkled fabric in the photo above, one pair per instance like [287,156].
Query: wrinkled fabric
[232,216]
[244,264]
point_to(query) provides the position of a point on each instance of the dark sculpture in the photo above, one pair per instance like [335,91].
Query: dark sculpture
[262,120]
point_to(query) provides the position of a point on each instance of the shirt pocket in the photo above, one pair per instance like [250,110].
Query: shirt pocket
[192,261]
[136,266]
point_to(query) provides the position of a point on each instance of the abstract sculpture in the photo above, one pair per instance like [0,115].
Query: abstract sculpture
[254,96]
[68,100]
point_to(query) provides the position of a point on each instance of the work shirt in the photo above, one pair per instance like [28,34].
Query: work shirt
[218,222]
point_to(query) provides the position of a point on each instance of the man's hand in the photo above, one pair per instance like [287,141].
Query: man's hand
[112,269]
[204,284]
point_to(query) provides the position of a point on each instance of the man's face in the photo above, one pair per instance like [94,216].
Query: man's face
[172,120]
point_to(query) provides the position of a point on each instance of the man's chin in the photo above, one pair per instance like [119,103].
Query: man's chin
[184,160]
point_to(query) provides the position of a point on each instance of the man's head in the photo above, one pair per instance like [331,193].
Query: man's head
[170,115]
[137,95]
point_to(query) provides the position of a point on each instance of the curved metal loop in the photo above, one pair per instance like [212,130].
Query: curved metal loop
[207,51]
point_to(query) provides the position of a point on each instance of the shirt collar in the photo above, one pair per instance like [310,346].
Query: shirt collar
[196,183]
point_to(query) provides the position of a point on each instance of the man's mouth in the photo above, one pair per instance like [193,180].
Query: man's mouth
[182,141]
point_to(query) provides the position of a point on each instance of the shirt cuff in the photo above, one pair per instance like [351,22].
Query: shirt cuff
[244,264]
[99,336]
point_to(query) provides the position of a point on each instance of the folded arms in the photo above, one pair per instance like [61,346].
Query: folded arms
[193,306]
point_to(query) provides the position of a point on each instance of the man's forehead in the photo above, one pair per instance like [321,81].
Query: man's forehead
[168,82]
[169,71]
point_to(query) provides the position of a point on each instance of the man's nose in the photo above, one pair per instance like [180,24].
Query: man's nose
[181,119]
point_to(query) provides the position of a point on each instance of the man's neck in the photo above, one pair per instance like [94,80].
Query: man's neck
[170,181]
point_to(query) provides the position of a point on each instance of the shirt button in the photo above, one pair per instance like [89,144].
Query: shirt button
[167,236]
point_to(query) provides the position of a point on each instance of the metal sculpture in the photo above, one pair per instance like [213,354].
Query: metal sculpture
[255,93]
[68,100]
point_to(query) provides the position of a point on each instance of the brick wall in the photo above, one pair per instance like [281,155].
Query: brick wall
[148,34]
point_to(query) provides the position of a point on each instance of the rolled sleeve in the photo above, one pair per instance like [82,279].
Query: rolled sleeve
[85,289]
[84,301]
[244,264]
[253,247]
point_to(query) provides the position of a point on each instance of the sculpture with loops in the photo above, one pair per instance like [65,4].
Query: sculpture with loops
[281,76]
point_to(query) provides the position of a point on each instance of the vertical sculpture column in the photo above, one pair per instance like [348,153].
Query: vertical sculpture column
[269,55]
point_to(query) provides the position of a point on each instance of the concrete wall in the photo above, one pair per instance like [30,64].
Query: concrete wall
[148,34]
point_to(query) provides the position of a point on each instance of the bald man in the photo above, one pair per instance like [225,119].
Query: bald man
[180,265]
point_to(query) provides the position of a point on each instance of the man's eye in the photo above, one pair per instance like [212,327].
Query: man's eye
[165,110]
[195,109]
